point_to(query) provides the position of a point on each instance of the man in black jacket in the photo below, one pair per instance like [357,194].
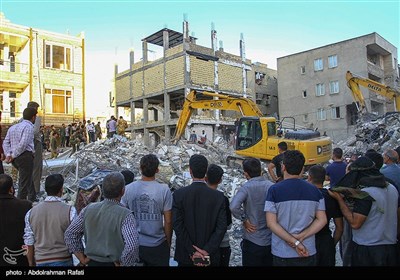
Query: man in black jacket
[199,217]
[12,211]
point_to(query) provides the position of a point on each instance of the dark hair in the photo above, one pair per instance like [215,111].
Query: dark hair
[376,157]
[282,145]
[28,113]
[252,167]
[198,164]
[113,185]
[149,164]
[33,104]
[129,176]
[398,150]
[6,183]
[294,161]
[317,174]
[53,184]
[337,152]
[214,174]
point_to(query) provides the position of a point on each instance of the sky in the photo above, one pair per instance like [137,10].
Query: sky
[271,29]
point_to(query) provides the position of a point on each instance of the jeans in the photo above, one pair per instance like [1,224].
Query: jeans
[58,263]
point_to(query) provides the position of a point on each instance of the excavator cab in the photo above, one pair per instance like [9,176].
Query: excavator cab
[250,132]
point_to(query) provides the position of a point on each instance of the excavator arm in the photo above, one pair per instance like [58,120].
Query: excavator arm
[223,102]
[354,84]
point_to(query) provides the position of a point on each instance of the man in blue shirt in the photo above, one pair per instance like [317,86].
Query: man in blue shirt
[336,170]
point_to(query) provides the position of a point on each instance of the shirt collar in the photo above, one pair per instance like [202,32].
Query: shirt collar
[53,198]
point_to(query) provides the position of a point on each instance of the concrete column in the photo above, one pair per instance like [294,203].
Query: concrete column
[6,64]
[131,59]
[132,118]
[167,115]
[215,48]
[165,40]
[6,105]
[243,56]
[115,90]
[146,138]
[145,51]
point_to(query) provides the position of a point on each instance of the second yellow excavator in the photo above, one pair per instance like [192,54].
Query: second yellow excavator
[256,136]
[354,83]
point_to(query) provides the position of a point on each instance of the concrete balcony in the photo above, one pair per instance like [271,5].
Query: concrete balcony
[13,75]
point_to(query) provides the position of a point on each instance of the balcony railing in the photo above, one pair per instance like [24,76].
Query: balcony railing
[16,67]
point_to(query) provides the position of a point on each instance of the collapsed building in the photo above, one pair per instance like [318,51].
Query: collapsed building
[158,88]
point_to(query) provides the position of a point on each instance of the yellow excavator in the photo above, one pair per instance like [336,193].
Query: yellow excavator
[256,136]
[354,83]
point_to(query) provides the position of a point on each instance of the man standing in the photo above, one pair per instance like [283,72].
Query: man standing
[336,170]
[45,226]
[214,178]
[12,212]
[112,127]
[199,217]
[391,170]
[62,135]
[109,229]
[151,203]
[374,217]
[19,149]
[97,130]
[38,146]
[277,176]
[248,206]
[324,242]
[295,213]
[121,126]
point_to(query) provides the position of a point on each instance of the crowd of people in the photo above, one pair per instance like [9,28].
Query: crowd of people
[285,220]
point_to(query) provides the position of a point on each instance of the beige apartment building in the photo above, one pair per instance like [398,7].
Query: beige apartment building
[159,87]
[42,66]
[313,88]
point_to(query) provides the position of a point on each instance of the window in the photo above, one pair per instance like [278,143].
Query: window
[302,70]
[319,89]
[335,113]
[271,127]
[318,64]
[332,61]
[304,93]
[58,57]
[334,87]
[58,101]
[321,114]
[305,118]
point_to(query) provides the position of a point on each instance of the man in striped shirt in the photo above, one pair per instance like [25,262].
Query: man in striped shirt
[19,151]
[110,229]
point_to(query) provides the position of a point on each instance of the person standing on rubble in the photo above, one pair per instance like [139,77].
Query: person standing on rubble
[151,203]
[213,179]
[109,229]
[112,127]
[121,126]
[295,211]
[45,225]
[199,218]
[54,145]
[97,130]
[276,162]
[337,169]
[248,206]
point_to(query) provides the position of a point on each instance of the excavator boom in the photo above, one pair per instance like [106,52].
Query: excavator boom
[222,102]
[354,84]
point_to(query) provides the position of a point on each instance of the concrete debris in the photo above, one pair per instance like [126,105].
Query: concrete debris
[380,134]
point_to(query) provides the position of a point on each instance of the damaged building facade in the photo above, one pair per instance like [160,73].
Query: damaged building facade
[315,81]
[42,66]
[159,87]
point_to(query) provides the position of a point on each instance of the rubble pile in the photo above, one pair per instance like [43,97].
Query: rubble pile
[380,134]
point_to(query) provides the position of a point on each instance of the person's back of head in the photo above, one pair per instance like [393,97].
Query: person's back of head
[294,162]
[317,174]
[29,113]
[113,185]
[6,183]
[214,174]
[282,146]
[398,151]
[252,167]
[391,155]
[149,165]
[32,104]
[337,153]
[376,157]
[198,165]
[54,184]
[129,176]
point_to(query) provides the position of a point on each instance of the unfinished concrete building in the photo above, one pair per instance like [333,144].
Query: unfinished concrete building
[159,87]
[314,80]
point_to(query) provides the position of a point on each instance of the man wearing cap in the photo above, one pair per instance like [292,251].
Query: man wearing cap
[374,216]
